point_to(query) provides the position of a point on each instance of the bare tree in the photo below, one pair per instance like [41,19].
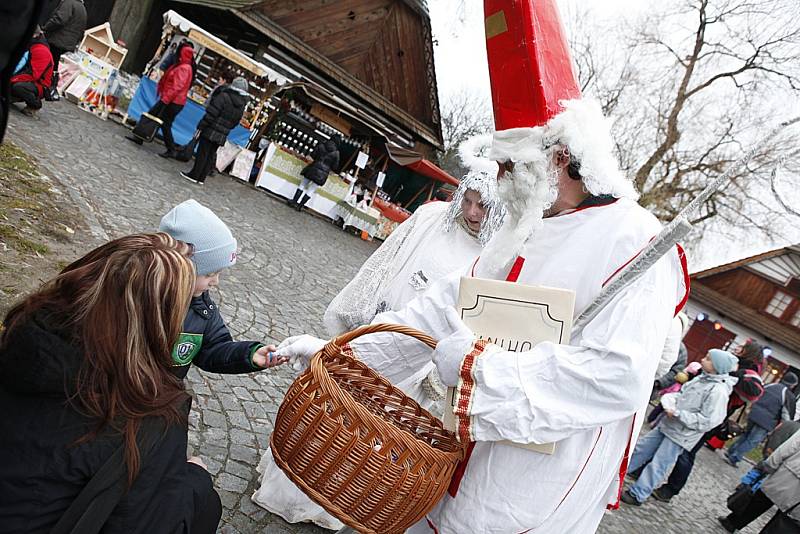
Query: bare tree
[693,92]
[464,114]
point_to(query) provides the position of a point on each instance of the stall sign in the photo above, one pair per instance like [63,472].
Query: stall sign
[380,179]
[204,40]
[329,117]
[361,160]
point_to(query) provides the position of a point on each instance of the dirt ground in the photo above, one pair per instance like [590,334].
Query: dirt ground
[41,228]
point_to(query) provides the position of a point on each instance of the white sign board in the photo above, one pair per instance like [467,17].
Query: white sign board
[361,160]
[381,179]
[516,317]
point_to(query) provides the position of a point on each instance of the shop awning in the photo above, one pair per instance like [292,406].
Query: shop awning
[414,161]
[212,42]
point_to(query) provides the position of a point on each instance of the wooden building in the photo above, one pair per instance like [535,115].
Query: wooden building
[376,55]
[756,297]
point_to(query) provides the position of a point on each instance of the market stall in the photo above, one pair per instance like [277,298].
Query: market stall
[215,60]
[90,76]
[308,115]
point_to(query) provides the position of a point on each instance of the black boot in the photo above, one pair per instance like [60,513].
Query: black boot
[168,154]
[303,203]
[297,195]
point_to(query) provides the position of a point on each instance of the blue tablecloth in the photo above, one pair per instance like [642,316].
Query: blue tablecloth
[186,122]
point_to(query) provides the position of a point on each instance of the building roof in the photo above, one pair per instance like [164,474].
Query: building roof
[786,335]
[326,69]
[747,261]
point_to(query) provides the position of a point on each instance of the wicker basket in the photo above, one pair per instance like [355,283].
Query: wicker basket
[358,446]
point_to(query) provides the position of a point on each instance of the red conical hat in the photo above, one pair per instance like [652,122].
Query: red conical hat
[529,62]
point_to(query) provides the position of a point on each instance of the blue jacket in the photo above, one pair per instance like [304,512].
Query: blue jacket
[206,342]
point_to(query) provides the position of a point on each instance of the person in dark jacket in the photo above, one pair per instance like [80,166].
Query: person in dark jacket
[777,403]
[32,80]
[325,158]
[64,30]
[205,340]
[85,370]
[223,113]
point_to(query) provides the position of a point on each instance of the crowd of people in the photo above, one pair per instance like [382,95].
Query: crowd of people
[701,405]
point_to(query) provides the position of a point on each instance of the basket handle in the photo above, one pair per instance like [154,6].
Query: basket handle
[332,347]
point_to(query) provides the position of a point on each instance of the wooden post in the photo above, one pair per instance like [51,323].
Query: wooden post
[418,194]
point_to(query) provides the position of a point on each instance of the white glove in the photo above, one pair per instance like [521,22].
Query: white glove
[300,349]
[450,352]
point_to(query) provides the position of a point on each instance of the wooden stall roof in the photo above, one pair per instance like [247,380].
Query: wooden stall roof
[380,50]
[417,163]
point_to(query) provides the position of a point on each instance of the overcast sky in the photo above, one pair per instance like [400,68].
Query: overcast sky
[460,55]
[460,51]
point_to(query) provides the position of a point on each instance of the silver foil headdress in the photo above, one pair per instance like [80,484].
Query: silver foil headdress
[482,179]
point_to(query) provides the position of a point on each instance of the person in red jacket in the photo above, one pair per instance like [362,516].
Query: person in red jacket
[172,90]
[33,77]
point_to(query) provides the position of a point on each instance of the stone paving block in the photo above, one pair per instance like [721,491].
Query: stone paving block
[230,482]
[238,419]
[214,419]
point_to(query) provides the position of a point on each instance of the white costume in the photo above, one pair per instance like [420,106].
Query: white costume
[583,395]
[432,243]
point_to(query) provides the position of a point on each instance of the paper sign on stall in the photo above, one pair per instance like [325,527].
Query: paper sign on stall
[381,178]
[361,160]
[516,317]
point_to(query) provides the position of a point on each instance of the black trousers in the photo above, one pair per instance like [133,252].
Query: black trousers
[204,160]
[167,113]
[760,503]
[56,52]
[26,92]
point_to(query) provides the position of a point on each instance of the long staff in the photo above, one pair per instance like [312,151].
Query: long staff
[670,235]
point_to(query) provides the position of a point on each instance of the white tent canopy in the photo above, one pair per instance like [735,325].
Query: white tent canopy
[204,38]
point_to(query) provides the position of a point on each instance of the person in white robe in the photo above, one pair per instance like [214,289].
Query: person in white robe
[437,239]
[574,221]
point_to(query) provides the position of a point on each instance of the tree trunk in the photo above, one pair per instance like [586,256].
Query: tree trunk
[129,20]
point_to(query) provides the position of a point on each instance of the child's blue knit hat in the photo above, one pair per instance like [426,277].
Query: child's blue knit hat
[723,361]
[214,245]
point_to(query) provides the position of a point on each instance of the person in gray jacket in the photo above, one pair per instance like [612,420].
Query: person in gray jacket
[781,488]
[699,406]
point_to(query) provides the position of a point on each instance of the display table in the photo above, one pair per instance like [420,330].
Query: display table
[280,174]
[366,221]
[186,122]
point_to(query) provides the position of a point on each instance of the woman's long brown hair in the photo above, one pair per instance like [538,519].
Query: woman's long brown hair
[124,303]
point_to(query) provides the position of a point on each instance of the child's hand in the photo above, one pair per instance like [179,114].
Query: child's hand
[265,357]
[670,413]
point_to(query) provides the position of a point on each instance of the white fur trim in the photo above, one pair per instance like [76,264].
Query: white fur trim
[474,154]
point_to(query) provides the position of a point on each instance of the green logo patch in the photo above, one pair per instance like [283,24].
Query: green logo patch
[186,348]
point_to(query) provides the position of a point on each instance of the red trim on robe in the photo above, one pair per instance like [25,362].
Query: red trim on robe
[464,393]
[461,468]
[686,280]
[623,467]
[433,528]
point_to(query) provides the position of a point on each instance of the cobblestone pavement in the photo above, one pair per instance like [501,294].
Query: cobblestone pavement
[290,267]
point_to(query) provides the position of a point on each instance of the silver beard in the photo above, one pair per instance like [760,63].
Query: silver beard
[527,193]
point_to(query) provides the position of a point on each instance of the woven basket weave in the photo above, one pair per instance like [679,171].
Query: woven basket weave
[358,446]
